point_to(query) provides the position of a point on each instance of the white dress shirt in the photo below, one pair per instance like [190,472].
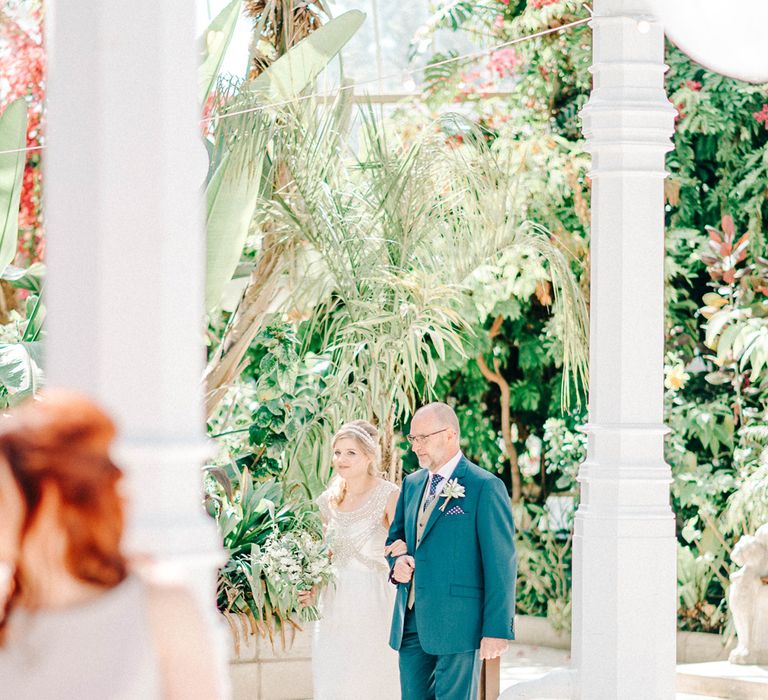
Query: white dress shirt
[446,471]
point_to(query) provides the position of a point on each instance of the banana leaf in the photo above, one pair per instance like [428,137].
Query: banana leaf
[20,370]
[13,136]
[213,46]
[292,72]
[30,278]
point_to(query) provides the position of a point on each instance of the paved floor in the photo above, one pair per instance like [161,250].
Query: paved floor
[524,662]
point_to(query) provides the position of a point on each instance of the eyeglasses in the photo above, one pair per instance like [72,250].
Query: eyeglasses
[416,439]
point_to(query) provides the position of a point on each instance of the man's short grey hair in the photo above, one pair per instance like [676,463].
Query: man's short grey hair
[445,415]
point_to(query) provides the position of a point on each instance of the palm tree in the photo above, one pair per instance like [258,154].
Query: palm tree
[279,25]
[245,171]
[393,234]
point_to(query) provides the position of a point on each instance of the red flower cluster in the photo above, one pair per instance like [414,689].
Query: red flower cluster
[22,67]
[762,116]
[694,85]
[504,62]
[479,82]
[538,4]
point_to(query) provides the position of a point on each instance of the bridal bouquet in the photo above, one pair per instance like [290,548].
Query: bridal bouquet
[292,562]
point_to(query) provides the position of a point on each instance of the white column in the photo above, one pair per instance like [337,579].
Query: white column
[624,589]
[125,253]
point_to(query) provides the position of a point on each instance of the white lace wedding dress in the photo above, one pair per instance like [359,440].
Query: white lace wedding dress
[351,657]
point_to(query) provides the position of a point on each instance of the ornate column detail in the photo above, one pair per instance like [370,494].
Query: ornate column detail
[624,591]
[125,291]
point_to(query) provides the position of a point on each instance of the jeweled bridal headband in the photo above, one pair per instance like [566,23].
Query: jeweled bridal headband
[359,433]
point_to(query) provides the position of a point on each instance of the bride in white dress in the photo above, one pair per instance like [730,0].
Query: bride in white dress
[351,657]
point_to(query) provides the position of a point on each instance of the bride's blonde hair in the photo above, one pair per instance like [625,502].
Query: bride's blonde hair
[367,438]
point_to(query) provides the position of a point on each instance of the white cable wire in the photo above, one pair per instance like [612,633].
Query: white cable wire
[413,71]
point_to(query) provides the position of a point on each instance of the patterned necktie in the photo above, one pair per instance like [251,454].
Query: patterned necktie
[436,479]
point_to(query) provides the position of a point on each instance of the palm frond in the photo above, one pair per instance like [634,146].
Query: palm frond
[395,233]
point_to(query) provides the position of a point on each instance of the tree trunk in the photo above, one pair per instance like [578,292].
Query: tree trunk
[227,364]
[494,376]
[391,464]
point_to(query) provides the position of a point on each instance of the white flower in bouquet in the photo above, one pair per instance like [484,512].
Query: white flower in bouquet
[293,562]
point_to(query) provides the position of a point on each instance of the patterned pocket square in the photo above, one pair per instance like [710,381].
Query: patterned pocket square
[456,510]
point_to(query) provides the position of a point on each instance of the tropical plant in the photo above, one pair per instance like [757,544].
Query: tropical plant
[715,364]
[248,173]
[697,573]
[278,25]
[20,352]
[23,68]
[250,515]
[21,359]
[544,560]
[13,138]
[395,232]
[278,394]
[212,45]
[737,313]
[747,507]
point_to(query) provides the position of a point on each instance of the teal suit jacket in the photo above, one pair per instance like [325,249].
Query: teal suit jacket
[465,563]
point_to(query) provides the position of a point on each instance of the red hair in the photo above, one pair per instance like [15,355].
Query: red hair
[62,441]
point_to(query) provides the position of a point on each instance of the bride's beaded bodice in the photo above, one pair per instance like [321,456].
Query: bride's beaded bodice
[358,536]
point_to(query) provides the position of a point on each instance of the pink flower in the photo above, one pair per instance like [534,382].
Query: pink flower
[694,85]
[504,62]
[762,116]
[538,4]
[499,22]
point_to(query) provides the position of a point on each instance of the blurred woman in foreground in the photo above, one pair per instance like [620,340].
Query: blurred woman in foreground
[74,621]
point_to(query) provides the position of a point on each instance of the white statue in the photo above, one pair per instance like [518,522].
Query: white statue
[748,598]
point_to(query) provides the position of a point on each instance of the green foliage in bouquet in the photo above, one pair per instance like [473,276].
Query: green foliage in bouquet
[275,548]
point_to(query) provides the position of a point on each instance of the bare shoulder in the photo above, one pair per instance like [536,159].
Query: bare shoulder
[323,502]
[392,494]
[389,488]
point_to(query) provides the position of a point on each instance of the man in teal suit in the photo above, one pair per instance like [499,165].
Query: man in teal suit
[456,585]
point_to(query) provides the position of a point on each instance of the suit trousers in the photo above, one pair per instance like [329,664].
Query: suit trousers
[435,677]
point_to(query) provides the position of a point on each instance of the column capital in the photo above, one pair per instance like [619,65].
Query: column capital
[628,120]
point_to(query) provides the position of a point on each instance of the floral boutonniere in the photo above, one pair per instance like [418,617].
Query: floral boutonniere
[453,489]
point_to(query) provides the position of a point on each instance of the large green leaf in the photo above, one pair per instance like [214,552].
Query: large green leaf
[232,195]
[293,71]
[30,278]
[13,137]
[20,370]
[213,45]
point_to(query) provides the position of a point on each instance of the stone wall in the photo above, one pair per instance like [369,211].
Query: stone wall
[261,670]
